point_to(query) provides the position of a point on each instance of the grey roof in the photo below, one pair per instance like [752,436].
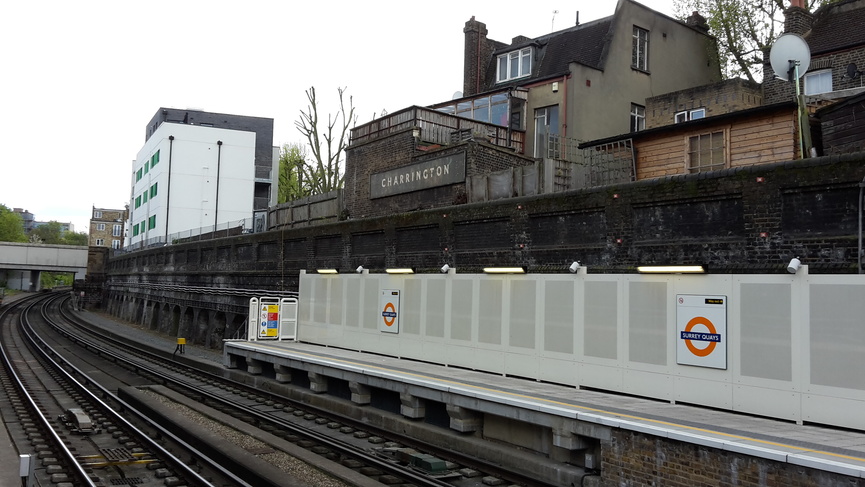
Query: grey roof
[583,44]
[837,26]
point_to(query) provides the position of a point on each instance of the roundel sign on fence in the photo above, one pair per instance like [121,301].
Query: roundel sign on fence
[701,330]
[389,306]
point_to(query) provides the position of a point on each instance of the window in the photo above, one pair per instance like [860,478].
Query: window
[706,152]
[686,115]
[516,64]
[146,167]
[153,190]
[137,201]
[97,214]
[818,82]
[640,49]
[546,127]
[138,175]
[135,230]
[100,242]
[115,232]
[151,222]
[100,227]
[638,117]
[115,244]
[144,197]
[154,160]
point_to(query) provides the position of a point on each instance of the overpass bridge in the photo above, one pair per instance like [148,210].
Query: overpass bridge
[22,263]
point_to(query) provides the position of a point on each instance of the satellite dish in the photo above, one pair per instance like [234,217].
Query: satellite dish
[789,47]
[457,94]
[852,71]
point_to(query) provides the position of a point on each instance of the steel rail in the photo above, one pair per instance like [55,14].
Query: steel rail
[185,470]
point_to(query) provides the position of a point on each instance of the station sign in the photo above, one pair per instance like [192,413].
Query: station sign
[389,308]
[424,175]
[701,331]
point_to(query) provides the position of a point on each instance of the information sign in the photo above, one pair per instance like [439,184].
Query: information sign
[701,331]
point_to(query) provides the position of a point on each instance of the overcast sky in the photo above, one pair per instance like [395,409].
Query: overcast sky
[80,79]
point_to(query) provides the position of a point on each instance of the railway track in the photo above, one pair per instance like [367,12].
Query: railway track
[359,456]
[76,435]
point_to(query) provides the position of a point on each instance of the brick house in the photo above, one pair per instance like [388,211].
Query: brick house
[836,38]
[586,81]
[107,228]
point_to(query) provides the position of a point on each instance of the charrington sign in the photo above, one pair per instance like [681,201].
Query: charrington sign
[429,174]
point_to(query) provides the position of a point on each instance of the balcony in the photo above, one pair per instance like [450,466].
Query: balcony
[438,128]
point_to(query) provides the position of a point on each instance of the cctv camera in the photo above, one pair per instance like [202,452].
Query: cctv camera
[445,269]
[359,269]
[574,267]
[793,266]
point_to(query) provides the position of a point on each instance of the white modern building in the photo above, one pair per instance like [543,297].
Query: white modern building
[194,176]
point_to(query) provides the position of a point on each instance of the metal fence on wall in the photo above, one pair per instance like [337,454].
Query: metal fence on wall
[576,168]
[226,229]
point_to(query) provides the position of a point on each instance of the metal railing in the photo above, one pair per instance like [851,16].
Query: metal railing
[599,165]
[438,128]
[221,230]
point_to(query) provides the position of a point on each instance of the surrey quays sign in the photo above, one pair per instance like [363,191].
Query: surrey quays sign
[429,174]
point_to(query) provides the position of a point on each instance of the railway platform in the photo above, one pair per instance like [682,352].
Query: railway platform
[590,412]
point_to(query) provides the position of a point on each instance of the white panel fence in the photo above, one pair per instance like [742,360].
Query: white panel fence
[792,347]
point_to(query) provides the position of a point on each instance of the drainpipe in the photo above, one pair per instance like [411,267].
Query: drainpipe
[218,160]
[859,255]
[168,186]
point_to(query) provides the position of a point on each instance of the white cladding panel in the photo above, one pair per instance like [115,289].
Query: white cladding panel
[196,162]
[794,342]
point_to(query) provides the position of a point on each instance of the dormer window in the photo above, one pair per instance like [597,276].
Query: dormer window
[515,64]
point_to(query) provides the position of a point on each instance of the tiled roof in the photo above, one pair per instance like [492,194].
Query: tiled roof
[837,26]
[584,44]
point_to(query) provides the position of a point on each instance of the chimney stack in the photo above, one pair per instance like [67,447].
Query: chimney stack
[476,57]
[797,19]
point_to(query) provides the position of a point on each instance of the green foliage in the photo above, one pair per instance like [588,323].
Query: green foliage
[50,233]
[75,238]
[11,226]
[293,183]
[744,29]
[49,280]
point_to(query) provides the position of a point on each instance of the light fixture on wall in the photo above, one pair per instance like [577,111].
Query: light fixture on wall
[401,270]
[445,268]
[794,264]
[671,269]
[328,271]
[574,267]
[504,270]
[359,269]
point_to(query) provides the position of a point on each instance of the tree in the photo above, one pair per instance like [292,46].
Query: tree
[11,226]
[75,238]
[294,172]
[324,173]
[745,30]
[50,233]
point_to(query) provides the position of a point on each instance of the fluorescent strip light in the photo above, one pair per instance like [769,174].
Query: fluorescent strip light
[671,269]
[405,270]
[328,271]
[505,270]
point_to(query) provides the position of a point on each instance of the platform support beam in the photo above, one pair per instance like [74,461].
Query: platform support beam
[317,382]
[360,393]
[464,420]
[412,406]
[254,367]
[568,440]
[283,373]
